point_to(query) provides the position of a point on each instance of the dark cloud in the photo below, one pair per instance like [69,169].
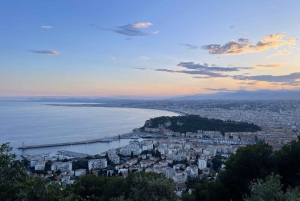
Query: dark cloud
[195,72]
[131,30]
[290,79]
[191,47]
[205,66]
[204,69]
[248,83]
[52,52]
[243,45]
[218,89]
[231,27]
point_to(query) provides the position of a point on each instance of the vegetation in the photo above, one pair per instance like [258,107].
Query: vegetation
[254,173]
[271,190]
[193,123]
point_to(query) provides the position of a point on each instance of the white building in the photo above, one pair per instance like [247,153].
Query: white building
[202,162]
[97,163]
[63,166]
[39,165]
[180,176]
[170,172]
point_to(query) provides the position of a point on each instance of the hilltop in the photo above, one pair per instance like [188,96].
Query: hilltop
[193,123]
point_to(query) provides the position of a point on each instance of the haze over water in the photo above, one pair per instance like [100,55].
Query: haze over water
[38,123]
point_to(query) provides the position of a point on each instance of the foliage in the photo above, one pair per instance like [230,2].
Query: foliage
[193,123]
[152,187]
[288,158]
[187,197]
[12,174]
[16,185]
[102,188]
[217,162]
[250,162]
[80,164]
[192,181]
[271,190]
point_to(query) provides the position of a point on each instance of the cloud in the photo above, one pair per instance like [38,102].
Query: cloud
[155,32]
[218,89]
[141,24]
[204,70]
[248,83]
[189,46]
[46,27]
[290,79]
[243,46]
[206,67]
[53,52]
[283,52]
[113,58]
[128,29]
[275,65]
[144,58]
[231,27]
[141,68]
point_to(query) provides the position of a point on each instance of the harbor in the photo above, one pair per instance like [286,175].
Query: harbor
[133,135]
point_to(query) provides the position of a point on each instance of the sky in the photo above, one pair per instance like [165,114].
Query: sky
[139,48]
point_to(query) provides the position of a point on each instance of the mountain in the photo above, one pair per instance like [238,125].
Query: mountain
[246,95]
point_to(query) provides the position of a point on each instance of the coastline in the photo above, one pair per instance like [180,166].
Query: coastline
[114,106]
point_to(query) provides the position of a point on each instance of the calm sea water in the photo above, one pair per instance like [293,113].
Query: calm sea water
[38,123]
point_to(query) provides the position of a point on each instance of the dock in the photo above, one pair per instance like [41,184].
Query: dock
[64,143]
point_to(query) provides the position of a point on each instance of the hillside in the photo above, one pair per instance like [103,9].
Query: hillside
[192,123]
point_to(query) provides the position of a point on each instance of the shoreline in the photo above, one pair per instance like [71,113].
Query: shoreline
[105,106]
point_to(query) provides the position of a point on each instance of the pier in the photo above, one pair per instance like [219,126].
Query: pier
[23,147]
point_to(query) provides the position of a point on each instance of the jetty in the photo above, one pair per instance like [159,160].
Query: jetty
[23,147]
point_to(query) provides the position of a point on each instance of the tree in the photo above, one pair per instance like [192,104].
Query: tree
[217,162]
[192,181]
[146,187]
[12,174]
[250,162]
[271,190]
[288,159]
[58,172]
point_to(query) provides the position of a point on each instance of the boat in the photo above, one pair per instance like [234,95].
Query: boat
[107,140]
[135,137]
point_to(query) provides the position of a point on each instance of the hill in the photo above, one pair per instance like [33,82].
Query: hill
[193,123]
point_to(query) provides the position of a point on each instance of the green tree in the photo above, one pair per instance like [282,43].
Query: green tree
[250,162]
[288,158]
[12,175]
[271,190]
[217,162]
[145,188]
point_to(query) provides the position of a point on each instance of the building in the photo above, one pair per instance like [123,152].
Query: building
[62,166]
[202,162]
[97,163]
[113,157]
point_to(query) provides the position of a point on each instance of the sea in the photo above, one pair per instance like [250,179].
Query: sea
[33,123]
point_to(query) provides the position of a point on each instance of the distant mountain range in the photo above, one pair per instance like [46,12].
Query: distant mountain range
[246,95]
[232,95]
